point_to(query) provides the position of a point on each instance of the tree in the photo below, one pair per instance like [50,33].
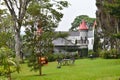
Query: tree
[107,23]
[79,19]
[97,44]
[113,7]
[7,63]
[108,19]
[6,31]
[18,10]
[39,46]
[41,15]
[5,39]
[20,6]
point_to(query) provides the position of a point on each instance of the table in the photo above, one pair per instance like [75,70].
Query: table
[66,61]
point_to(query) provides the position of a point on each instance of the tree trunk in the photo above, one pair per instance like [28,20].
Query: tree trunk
[17,44]
[117,30]
[40,67]
[9,74]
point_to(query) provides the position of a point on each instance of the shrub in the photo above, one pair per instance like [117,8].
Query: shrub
[4,72]
[104,54]
[7,62]
[94,54]
[53,57]
[111,54]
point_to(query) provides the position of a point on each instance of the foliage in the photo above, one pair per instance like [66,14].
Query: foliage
[113,7]
[60,35]
[43,43]
[46,47]
[6,32]
[111,54]
[6,23]
[54,57]
[79,19]
[83,52]
[30,43]
[104,54]
[116,35]
[7,62]
[45,14]
[91,52]
[108,21]
[41,14]
[5,39]
[29,12]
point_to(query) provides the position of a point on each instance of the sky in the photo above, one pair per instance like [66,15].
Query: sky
[77,7]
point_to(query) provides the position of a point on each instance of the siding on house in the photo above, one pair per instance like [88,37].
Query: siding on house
[73,36]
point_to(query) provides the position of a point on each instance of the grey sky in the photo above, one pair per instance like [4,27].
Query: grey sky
[78,7]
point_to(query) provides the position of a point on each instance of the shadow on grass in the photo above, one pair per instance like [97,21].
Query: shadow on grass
[30,77]
[37,75]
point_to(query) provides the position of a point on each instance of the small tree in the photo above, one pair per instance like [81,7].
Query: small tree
[38,46]
[7,62]
[46,15]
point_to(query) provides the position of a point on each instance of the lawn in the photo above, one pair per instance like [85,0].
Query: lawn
[83,69]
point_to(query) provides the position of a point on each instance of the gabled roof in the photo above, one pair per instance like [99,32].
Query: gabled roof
[74,33]
[83,26]
[62,41]
[77,33]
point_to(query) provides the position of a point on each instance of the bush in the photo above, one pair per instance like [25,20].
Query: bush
[104,54]
[94,54]
[4,72]
[7,62]
[53,57]
[111,54]
[76,56]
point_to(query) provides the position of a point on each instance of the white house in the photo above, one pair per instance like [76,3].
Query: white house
[77,40]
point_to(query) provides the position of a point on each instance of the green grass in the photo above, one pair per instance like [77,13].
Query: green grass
[83,69]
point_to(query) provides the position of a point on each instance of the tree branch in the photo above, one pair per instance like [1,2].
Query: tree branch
[11,9]
[23,8]
[16,3]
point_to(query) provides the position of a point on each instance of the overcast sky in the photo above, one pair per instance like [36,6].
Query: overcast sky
[78,7]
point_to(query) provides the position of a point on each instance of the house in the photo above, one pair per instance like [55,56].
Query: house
[78,41]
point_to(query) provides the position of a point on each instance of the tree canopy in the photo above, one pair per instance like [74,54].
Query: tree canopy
[112,7]
[79,19]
